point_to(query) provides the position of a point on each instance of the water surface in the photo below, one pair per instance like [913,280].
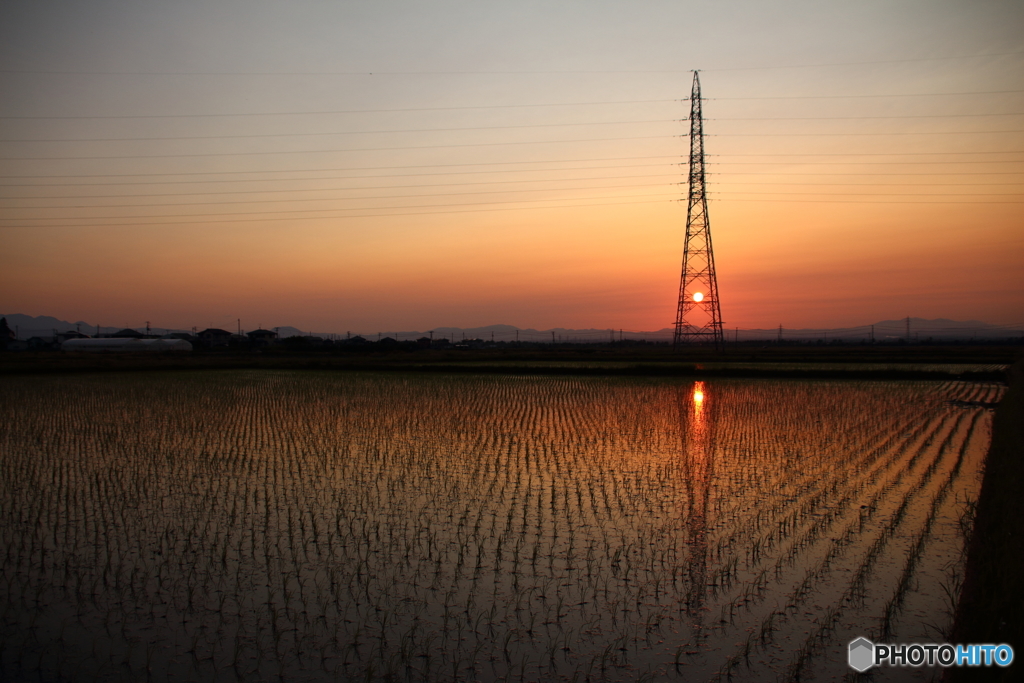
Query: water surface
[300,526]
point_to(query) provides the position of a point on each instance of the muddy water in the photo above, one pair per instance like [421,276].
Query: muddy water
[226,526]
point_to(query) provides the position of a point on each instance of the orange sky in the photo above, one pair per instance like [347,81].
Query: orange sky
[206,167]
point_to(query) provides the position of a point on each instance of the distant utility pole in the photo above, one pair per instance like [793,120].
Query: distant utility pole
[517,336]
[431,335]
[780,333]
[552,336]
[872,334]
[698,314]
[147,328]
[908,329]
[239,320]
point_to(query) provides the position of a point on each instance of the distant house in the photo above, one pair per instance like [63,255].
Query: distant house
[213,336]
[356,340]
[262,337]
[41,343]
[128,333]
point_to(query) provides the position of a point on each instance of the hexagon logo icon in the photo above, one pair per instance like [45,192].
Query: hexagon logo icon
[861,654]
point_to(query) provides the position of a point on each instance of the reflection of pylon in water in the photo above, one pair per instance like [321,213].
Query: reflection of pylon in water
[698,315]
[696,452]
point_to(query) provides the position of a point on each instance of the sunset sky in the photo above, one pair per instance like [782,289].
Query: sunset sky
[408,165]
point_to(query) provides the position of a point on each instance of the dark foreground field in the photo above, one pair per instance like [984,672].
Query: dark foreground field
[394,526]
[975,362]
[991,608]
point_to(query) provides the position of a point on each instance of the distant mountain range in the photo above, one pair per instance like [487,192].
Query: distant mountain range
[885,330]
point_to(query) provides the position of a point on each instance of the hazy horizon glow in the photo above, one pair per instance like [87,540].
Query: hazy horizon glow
[376,166]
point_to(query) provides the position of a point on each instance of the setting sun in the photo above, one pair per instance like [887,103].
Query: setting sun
[698,296]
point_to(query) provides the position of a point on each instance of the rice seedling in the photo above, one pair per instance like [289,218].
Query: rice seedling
[296,526]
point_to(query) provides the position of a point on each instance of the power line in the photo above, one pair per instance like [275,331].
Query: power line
[844,97]
[445,185]
[673,202]
[326,134]
[840,201]
[872,154]
[451,173]
[485,144]
[301,211]
[798,184]
[872,194]
[857,118]
[329,199]
[495,106]
[865,163]
[339,111]
[874,173]
[335,151]
[831,134]
[366,187]
[674,198]
[363,168]
[444,130]
[535,125]
[374,215]
[41,72]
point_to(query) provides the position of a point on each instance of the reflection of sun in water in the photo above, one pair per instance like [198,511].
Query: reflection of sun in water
[699,421]
[698,296]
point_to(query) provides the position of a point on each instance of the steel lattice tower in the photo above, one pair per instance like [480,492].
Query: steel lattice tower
[698,315]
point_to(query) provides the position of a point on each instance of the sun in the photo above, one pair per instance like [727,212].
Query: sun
[698,296]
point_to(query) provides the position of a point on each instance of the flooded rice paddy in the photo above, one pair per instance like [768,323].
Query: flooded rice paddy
[302,527]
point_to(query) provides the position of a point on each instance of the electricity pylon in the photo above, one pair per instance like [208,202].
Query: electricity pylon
[698,315]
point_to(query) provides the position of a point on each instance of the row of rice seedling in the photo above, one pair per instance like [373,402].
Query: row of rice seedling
[858,613]
[820,564]
[251,525]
